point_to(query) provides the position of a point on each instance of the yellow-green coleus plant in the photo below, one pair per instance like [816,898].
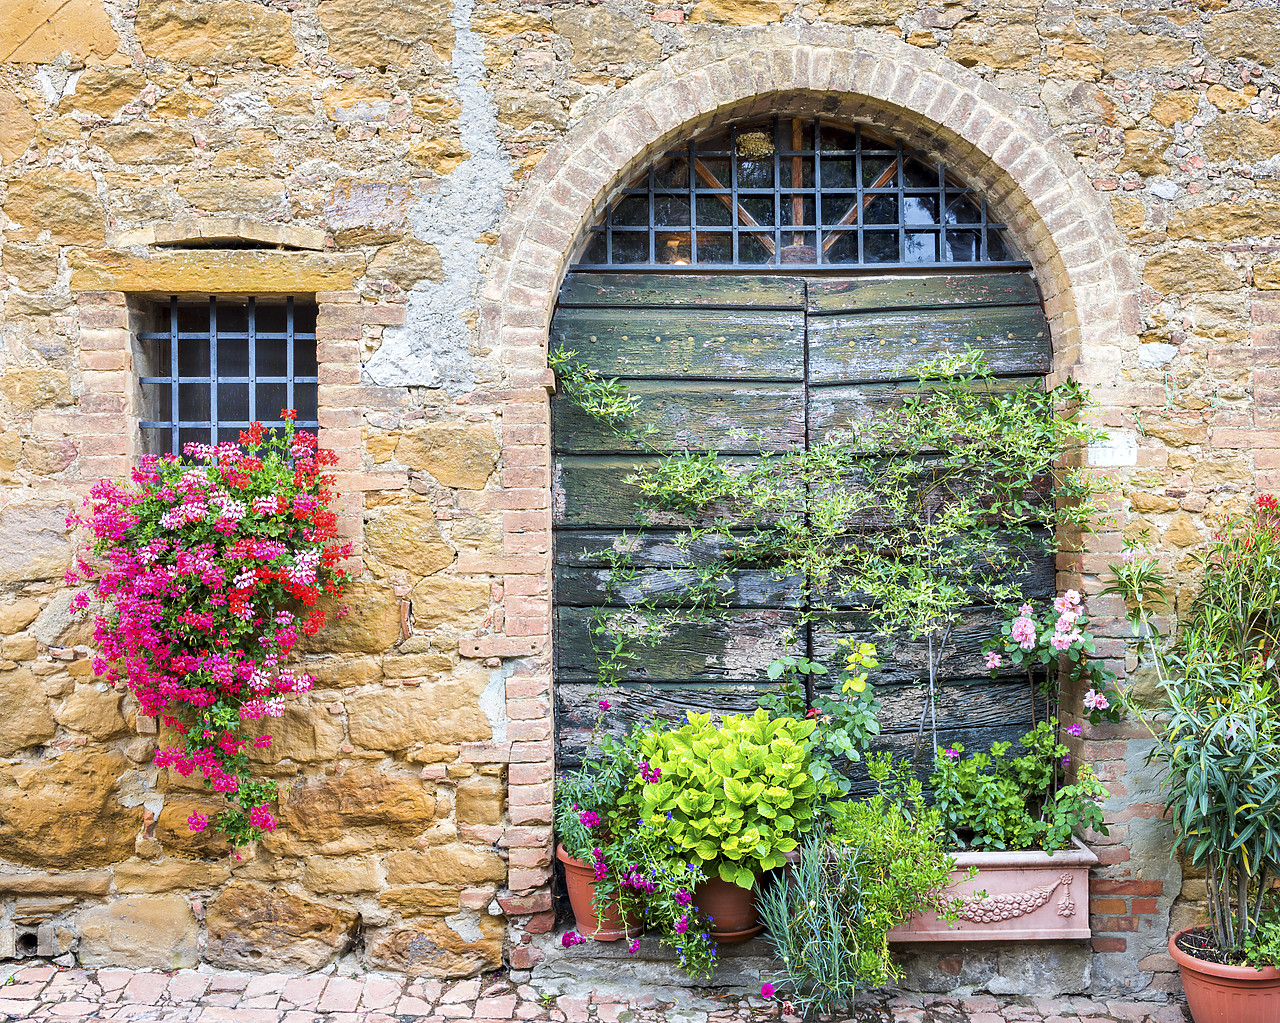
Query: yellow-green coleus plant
[734,795]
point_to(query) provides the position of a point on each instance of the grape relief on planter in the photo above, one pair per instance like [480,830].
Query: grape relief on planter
[207,569]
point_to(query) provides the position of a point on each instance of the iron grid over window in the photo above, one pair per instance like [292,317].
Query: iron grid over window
[763,193]
[209,369]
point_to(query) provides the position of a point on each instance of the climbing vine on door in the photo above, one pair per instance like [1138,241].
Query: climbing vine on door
[684,510]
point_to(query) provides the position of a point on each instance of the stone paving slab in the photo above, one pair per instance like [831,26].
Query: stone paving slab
[43,992]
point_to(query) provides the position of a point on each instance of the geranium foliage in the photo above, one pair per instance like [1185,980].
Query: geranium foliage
[209,567]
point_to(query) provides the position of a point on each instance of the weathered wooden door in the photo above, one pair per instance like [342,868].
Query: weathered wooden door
[737,365]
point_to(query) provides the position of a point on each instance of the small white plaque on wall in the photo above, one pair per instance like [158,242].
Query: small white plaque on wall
[1118,447]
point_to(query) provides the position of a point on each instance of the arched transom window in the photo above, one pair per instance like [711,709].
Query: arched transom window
[796,191]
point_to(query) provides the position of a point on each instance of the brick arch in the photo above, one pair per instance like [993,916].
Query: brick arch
[1057,218]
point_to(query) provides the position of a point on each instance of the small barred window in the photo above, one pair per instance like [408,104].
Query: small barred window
[208,369]
[797,191]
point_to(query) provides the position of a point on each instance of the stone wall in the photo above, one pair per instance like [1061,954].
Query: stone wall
[423,168]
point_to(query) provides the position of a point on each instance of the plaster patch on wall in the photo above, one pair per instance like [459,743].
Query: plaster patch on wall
[1120,447]
[466,926]
[431,349]
[493,701]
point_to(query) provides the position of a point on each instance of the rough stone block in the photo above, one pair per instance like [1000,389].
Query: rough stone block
[140,931]
[259,928]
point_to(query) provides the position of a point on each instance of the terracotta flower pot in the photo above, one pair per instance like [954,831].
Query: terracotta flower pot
[580,879]
[1217,993]
[732,910]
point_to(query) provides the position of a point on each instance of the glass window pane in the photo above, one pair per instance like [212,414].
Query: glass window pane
[844,248]
[836,206]
[632,211]
[798,209]
[712,211]
[670,210]
[921,247]
[798,247]
[595,251]
[752,250]
[271,358]
[883,209]
[193,357]
[193,403]
[963,210]
[838,172]
[880,246]
[271,399]
[270,317]
[305,397]
[878,171]
[796,171]
[672,172]
[157,403]
[233,357]
[919,209]
[919,175]
[233,317]
[755,173]
[304,317]
[963,246]
[630,246]
[304,358]
[715,247]
[711,172]
[998,248]
[673,248]
[755,208]
[233,403]
[831,137]
[192,319]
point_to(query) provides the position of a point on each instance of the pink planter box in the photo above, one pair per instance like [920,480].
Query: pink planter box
[1030,896]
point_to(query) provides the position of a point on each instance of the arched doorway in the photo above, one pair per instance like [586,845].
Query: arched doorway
[757,288]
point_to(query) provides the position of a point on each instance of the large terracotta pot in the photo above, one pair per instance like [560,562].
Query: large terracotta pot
[1030,896]
[580,879]
[732,910]
[1227,994]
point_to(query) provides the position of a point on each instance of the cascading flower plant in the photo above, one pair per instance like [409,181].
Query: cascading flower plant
[209,567]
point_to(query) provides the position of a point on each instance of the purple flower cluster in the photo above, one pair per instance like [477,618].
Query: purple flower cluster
[588,818]
[635,879]
[572,938]
[649,774]
[683,897]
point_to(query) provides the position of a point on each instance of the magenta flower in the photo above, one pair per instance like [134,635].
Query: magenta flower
[1074,729]
[951,754]
[588,818]
[198,821]
[605,705]
[766,990]
[572,938]
[682,924]
[634,947]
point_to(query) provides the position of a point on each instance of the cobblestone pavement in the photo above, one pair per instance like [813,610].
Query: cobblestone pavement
[43,992]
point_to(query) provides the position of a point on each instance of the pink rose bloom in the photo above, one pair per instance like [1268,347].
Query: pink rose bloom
[1069,601]
[1095,700]
[1026,611]
[1060,641]
[1065,621]
[1023,632]
[994,660]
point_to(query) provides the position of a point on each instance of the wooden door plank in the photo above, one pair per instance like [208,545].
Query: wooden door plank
[886,293]
[668,587]
[880,347]
[729,417]
[833,406]
[732,648]
[693,344]
[676,291]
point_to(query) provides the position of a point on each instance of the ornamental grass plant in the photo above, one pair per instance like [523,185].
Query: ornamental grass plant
[208,568]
